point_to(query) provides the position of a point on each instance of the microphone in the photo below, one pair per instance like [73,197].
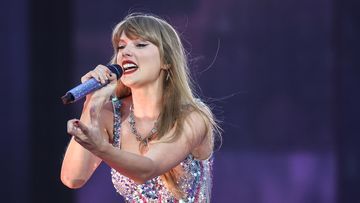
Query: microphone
[89,86]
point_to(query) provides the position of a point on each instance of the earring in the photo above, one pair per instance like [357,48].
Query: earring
[168,75]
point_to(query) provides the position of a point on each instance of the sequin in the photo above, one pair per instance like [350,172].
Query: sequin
[195,180]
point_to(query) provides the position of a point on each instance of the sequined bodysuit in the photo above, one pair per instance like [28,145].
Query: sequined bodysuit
[195,182]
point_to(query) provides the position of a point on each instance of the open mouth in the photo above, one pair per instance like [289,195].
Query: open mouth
[129,67]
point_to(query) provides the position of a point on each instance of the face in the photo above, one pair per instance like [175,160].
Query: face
[140,60]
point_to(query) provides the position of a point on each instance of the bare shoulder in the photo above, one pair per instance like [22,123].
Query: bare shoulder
[196,128]
[107,111]
[107,115]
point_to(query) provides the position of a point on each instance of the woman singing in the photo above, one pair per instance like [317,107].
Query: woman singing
[147,126]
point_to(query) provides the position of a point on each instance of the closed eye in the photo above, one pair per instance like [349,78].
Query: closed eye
[121,47]
[141,45]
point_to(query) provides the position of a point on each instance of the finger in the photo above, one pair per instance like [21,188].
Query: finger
[102,76]
[70,127]
[81,126]
[108,73]
[103,68]
[103,72]
[100,73]
[86,77]
[96,75]
[89,75]
[112,77]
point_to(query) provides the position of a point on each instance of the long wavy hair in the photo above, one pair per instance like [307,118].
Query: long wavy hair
[178,86]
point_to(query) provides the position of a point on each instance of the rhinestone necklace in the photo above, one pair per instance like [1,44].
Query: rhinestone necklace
[135,132]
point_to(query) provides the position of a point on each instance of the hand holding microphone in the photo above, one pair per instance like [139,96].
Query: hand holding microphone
[92,81]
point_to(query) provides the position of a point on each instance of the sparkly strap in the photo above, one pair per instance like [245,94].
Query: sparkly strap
[117,120]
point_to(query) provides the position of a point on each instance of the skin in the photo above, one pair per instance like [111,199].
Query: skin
[92,134]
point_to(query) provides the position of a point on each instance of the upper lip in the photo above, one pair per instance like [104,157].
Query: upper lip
[127,62]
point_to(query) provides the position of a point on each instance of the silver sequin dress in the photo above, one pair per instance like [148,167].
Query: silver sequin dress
[195,181]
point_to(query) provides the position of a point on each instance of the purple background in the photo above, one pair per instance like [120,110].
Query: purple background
[283,77]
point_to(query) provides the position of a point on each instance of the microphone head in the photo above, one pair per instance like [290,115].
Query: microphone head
[117,69]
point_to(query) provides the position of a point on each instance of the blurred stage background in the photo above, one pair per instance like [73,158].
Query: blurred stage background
[284,82]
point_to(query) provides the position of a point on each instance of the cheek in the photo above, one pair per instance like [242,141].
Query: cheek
[154,62]
[118,58]
[154,57]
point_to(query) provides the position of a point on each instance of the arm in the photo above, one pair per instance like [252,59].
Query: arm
[79,163]
[160,158]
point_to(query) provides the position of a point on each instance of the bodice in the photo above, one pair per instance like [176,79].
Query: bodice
[194,181]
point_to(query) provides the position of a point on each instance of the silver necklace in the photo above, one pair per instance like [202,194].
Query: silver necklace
[135,132]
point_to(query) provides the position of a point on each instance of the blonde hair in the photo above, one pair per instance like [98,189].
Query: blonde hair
[178,91]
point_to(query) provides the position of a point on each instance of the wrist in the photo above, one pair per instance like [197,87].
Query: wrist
[102,148]
[94,104]
[96,99]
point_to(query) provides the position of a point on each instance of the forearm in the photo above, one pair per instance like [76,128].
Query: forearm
[138,168]
[78,165]
[92,107]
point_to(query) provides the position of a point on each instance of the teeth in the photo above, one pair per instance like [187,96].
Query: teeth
[129,65]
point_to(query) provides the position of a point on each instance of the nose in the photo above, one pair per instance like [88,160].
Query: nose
[126,51]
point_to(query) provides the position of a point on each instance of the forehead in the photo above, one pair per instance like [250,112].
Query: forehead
[127,37]
[133,31]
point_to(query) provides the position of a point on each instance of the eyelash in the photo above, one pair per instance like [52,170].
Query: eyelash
[139,45]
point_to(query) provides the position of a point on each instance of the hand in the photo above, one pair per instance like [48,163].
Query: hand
[90,137]
[102,74]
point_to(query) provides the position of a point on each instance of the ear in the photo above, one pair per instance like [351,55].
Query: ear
[166,66]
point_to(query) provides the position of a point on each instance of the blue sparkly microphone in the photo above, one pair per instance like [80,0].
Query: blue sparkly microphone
[89,86]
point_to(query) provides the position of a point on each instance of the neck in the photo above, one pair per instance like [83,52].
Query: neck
[147,103]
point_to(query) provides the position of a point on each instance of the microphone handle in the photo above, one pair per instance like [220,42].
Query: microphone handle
[81,91]
[90,85]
